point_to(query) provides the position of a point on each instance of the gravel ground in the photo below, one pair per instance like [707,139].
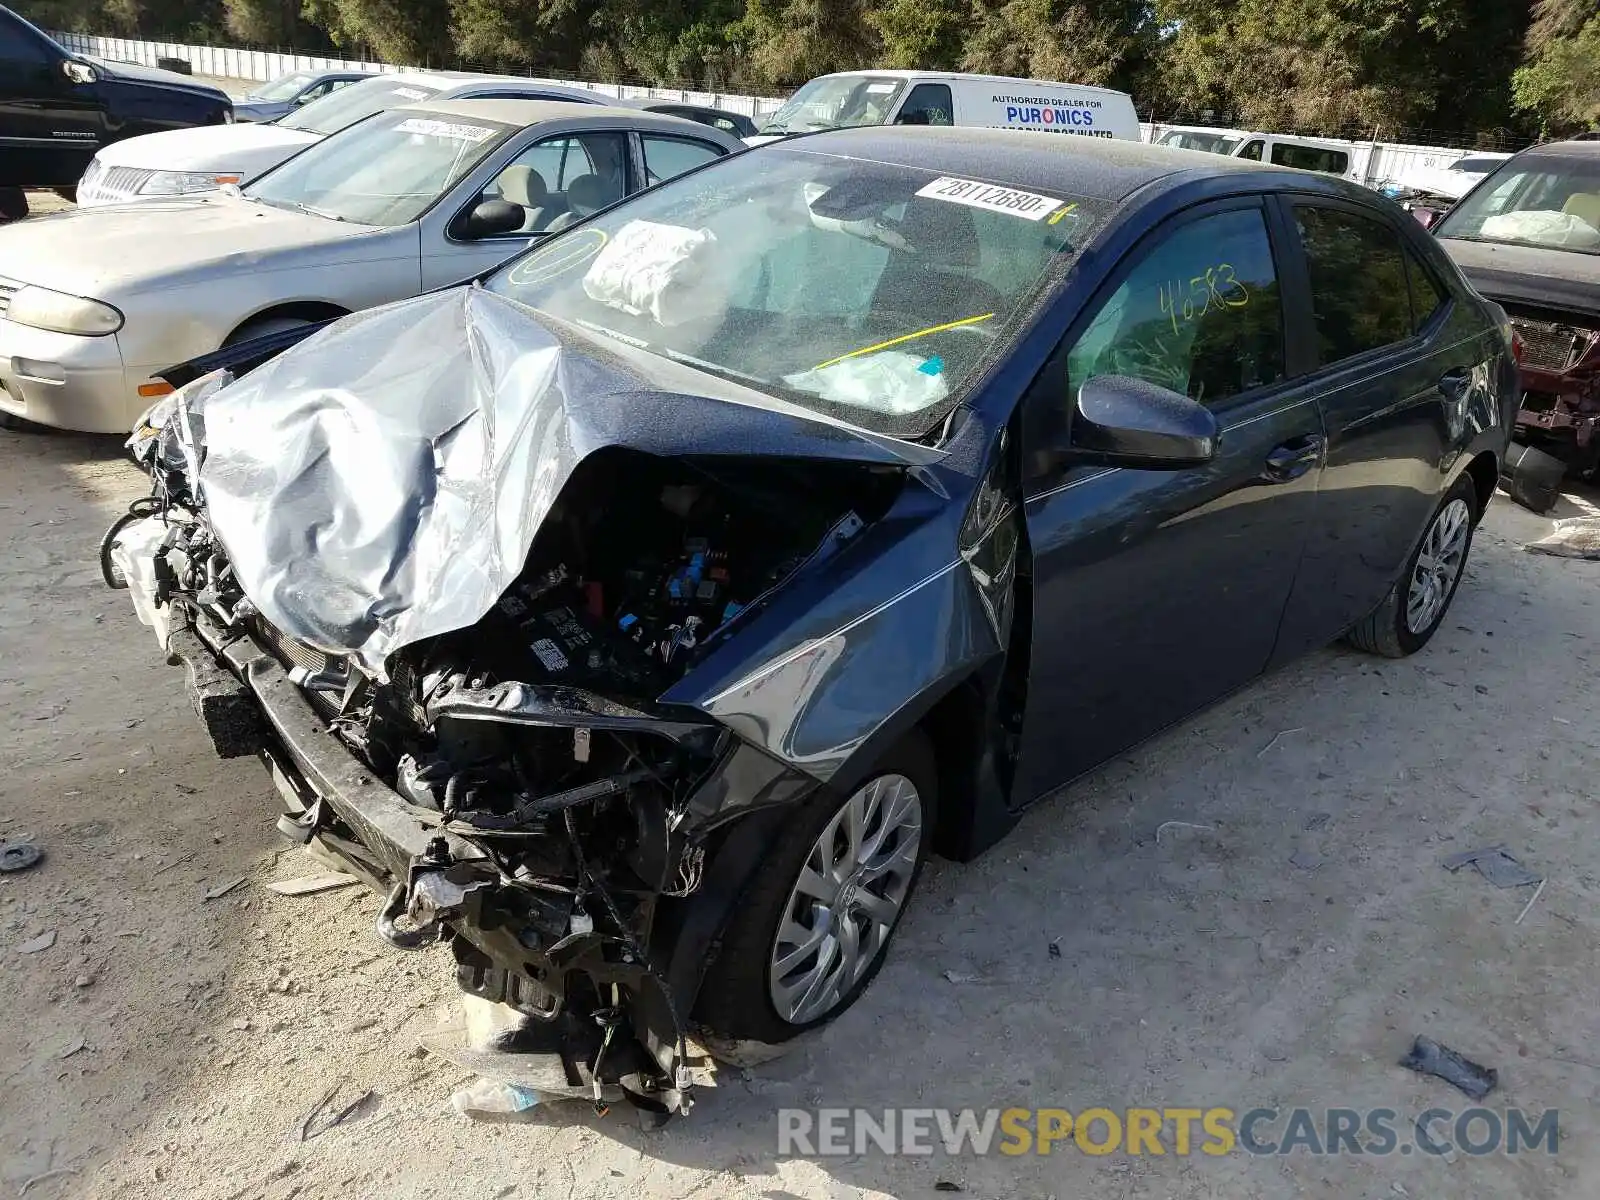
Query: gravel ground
[170,1045]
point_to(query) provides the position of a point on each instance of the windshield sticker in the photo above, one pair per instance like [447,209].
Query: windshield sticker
[558,258]
[877,89]
[445,129]
[411,93]
[1028,205]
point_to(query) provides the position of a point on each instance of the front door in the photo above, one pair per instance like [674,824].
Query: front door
[1158,591]
[49,126]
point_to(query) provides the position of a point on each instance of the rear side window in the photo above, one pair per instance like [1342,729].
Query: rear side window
[1360,296]
[1199,313]
[1310,158]
[1427,297]
[665,157]
[928,104]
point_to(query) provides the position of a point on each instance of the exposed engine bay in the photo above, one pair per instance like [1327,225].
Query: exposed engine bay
[530,747]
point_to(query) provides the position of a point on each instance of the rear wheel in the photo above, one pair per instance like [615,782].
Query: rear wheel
[814,928]
[1414,608]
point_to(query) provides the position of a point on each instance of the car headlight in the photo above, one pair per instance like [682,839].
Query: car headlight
[57,311]
[182,183]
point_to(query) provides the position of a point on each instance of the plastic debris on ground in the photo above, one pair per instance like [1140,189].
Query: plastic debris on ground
[19,856]
[491,1100]
[1572,537]
[1428,1057]
[1495,864]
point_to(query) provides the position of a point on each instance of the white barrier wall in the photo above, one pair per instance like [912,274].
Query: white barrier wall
[263,65]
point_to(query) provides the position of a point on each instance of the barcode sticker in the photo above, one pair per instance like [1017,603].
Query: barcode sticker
[1030,206]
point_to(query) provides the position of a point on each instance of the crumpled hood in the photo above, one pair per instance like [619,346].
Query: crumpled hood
[382,482]
[105,252]
[1561,280]
[248,149]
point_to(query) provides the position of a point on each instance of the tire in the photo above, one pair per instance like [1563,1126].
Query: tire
[13,204]
[737,996]
[261,327]
[1387,629]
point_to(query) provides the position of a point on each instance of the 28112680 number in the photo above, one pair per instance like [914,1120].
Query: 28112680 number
[1215,287]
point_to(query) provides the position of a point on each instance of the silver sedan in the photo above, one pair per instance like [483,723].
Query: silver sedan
[288,92]
[95,303]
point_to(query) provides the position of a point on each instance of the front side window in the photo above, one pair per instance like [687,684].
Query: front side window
[1199,314]
[343,108]
[1253,150]
[19,45]
[665,157]
[837,102]
[928,104]
[1310,158]
[561,180]
[386,171]
[1360,297]
[875,292]
[1534,200]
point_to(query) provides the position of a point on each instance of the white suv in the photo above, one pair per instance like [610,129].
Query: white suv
[178,162]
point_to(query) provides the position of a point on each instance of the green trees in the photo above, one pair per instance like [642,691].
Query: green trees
[1422,68]
[1561,81]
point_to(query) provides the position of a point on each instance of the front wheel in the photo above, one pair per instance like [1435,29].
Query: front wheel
[1414,608]
[813,930]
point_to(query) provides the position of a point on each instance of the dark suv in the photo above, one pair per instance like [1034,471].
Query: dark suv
[57,108]
[1528,236]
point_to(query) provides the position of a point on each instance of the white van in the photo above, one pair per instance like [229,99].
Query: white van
[1327,155]
[852,98]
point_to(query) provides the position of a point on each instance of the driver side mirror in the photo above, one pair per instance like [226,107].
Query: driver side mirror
[77,72]
[490,218]
[1126,422]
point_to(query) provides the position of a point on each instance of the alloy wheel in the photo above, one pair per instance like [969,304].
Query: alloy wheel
[1438,563]
[844,905]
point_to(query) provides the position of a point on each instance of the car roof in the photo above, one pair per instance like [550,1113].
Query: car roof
[1011,79]
[1096,168]
[1575,148]
[535,112]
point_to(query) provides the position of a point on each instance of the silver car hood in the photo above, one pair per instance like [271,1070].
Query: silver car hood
[382,482]
[102,252]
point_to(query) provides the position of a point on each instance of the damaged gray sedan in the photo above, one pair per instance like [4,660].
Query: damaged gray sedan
[639,619]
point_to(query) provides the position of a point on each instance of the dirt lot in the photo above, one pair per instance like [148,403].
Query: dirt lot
[169,1045]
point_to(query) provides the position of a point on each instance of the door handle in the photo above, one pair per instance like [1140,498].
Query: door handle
[1293,458]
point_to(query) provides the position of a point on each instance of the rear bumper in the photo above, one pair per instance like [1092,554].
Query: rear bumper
[65,380]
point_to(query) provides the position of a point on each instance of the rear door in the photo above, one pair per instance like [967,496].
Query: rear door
[1157,591]
[1396,359]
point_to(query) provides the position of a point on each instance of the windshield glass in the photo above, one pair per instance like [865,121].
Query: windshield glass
[873,292]
[836,101]
[1541,200]
[285,87]
[386,171]
[347,105]
[1212,143]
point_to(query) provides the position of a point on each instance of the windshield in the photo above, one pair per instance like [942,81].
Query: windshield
[836,101]
[1211,143]
[1540,200]
[386,171]
[347,105]
[873,292]
[286,87]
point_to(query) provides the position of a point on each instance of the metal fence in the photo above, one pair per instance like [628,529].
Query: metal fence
[227,62]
